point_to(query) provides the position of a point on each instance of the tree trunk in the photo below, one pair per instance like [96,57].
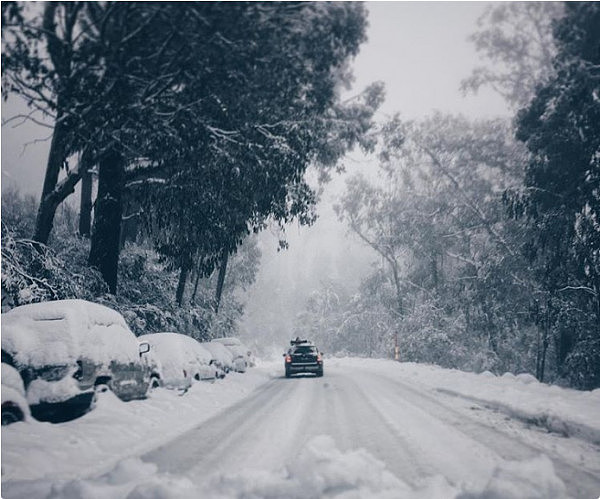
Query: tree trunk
[398,289]
[181,285]
[104,251]
[221,280]
[196,282]
[47,208]
[85,204]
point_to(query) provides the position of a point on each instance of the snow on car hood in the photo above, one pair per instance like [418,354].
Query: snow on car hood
[59,332]
[40,390]
[11,379]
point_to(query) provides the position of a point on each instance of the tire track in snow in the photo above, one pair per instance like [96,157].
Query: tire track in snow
[508,439]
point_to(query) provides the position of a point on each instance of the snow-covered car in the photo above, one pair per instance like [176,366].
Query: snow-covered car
[303,357]
[241,354]
[65,350]
[14,405]
[221,355]
[183,359]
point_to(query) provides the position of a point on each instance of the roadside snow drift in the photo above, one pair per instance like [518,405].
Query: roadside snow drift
[562,410]
[319,471]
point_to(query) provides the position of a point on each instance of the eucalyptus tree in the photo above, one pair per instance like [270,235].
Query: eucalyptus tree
[560,198]
[515,43]
[46,60]
[219,104]
[450,254]
[268,109]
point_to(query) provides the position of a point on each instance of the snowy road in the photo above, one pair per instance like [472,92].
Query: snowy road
[424,438]
[368,429]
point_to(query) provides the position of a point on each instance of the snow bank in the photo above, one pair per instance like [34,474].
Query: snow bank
[534,479]
[562,410]
[320,471]
[114,430]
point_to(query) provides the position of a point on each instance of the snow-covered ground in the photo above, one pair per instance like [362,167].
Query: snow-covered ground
[368,428]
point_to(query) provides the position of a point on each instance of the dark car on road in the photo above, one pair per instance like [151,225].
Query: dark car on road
[303,357]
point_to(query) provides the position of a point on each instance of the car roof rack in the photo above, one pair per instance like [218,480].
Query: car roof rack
[299,341]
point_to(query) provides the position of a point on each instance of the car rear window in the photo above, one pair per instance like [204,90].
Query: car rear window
[305,349]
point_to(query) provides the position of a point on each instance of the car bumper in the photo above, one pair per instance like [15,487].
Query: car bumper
[304,368]
[59,412]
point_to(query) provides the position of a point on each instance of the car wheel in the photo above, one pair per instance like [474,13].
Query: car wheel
[287,374]
[11,413]
[320,373]
[154,382]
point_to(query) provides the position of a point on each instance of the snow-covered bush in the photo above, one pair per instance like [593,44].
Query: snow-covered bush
[33,273]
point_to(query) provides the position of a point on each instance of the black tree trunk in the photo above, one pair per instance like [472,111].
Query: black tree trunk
[48,203]
[104,251]
[221,280]
[181,285]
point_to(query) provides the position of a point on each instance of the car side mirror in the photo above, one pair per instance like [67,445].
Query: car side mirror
[144,347]
[284,354]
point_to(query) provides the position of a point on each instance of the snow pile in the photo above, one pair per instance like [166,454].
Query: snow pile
[319,471]
[534,479]
[562,410]
[131,479]
[115,430]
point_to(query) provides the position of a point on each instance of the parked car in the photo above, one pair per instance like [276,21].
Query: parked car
[303,357]
[181,357]
[221,355]
[64,350]
[14,405]
[241,354]
[169,357]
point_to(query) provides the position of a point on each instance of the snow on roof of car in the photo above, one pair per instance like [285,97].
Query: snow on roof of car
[169,344]
[219,351]
[228,341]
[62,331]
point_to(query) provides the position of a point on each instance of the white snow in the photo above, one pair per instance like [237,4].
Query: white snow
[176,351]
[533,479]
[60,332]
[115,430]
[40,390]
[12,379]
[220,353]
[228,341]
[319,471]
[563,410]
[100,454]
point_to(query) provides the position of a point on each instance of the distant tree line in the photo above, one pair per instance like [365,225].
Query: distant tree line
[488,232]
[198,120]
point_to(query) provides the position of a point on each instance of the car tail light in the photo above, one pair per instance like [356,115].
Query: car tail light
[288,358]
[319,359]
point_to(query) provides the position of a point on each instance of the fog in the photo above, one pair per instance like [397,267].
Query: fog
[420,50]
